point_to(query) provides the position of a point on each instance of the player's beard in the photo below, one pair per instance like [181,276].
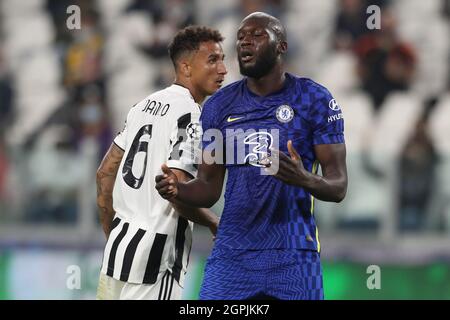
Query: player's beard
[264,63]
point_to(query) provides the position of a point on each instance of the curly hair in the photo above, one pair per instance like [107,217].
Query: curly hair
[190,38]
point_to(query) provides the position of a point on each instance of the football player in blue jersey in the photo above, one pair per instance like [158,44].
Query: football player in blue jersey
[267,244]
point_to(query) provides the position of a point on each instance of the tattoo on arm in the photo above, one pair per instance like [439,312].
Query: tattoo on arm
[106,176]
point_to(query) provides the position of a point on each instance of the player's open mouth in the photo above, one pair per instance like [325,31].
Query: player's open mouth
[246,56]
[219,82]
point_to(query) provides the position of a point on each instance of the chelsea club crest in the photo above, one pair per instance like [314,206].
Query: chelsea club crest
[285,113]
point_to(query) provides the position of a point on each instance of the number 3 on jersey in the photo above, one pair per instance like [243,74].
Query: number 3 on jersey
[140,144]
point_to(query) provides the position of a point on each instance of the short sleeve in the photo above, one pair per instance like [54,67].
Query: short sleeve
[185,137]
[121,139]
[327,120]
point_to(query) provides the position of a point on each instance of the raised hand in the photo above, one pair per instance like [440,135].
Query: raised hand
[167,183]
[290,169]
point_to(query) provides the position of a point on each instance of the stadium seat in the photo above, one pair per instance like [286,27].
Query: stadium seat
[111,10]
[438,127]
[331,71]
[313,21]
[33,112]
[34,64]
[432,51]
[358,118]
[21,7]
[127,87]
[439,122]
[394,125]
[414,8]
[40,72]
[24,36]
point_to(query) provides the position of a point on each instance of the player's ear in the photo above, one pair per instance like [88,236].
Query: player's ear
[185,68]
[282,47]
[187,61]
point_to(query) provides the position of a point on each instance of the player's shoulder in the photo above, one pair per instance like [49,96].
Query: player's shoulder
[178,97]
[174,94]
[167,103]
[307,85]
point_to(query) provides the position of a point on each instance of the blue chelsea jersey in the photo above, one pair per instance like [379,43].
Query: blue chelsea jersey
[261,212]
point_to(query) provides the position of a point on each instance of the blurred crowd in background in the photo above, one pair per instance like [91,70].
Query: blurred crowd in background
[65,93]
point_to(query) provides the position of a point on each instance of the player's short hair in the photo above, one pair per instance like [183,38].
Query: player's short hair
[189,39]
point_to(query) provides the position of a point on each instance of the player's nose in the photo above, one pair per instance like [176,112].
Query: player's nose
[221,68]
[246,39]
[245,42]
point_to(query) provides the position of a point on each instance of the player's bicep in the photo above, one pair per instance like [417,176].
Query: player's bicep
[332,160]
[111,161]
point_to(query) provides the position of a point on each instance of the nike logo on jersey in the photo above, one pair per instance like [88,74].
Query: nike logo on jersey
[230,119]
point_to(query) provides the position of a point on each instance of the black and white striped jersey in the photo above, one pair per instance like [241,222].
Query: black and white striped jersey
[148,235]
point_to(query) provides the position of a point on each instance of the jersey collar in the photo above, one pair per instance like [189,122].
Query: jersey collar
[183,90]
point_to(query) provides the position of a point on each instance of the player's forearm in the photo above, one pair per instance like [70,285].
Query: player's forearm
[106,214]
[333,188]
[105,185]
[197,193]
[106,177]
[202,216]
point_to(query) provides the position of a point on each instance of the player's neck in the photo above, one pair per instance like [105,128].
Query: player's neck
[270,83]
[198,97]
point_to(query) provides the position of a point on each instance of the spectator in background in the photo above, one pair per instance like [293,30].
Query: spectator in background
[386,64]
[6,112]
[3,174]
[351,21]
[83,60]
[417,167]
[6,96]
[79,50]
[168,17]
[446,9]
[93,121]
[58,13]
[245,7]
